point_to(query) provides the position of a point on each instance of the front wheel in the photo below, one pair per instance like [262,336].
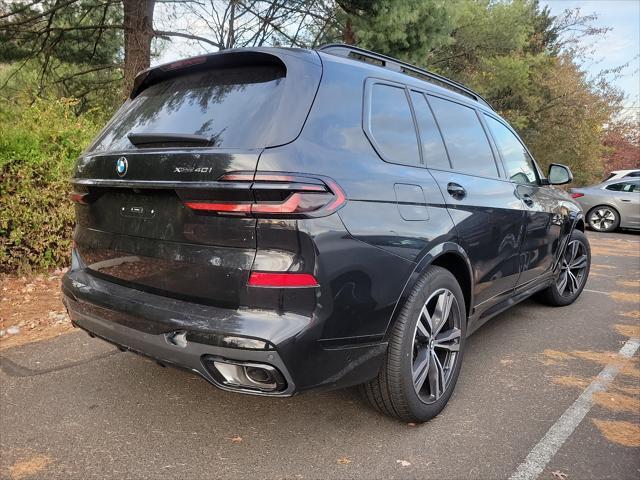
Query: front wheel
[574,271]
[425,351]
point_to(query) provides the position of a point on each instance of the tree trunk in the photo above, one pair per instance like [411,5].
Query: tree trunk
[231,38]
[348,35]
[138,33]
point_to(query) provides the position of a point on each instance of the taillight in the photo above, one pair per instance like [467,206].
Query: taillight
[268,195]
[282,280]
[577,195]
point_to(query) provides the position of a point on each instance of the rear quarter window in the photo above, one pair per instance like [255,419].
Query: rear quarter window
[389,124]
[624,187]
[234,107]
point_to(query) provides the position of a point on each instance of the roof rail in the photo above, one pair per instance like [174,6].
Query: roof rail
[357,53]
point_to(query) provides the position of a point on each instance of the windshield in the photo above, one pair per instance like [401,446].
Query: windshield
[231,107]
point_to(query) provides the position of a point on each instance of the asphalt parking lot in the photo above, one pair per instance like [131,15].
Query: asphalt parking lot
[75,407]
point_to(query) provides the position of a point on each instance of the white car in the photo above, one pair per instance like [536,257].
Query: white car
[620,174]
[611,204]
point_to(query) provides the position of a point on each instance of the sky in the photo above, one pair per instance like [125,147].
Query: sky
[619,46]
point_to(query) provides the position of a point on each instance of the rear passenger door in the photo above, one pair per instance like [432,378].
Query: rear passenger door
[484,207]
[627,201]
[546,214]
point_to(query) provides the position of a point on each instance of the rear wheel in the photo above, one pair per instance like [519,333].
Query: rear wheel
[573,275]
[425,351]
[603,218]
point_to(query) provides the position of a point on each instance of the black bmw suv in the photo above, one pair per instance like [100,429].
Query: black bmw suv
[277,220]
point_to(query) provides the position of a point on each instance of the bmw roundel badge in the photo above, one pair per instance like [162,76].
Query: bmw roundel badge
[122,166]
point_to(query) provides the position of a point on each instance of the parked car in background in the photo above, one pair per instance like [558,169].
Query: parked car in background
[278,220]
[611,204]
[619,174]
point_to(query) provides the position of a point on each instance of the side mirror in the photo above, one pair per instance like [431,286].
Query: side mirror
[559,174]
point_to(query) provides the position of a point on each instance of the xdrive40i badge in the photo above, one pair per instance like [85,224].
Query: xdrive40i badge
[192,169]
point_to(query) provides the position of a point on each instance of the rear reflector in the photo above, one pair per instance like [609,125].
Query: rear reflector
[222,207]
[79,197]
[282,280]
[577,195]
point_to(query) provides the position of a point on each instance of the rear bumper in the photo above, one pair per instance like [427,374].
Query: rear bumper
[144,323]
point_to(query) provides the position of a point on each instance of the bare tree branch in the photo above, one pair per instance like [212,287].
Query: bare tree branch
[164,34]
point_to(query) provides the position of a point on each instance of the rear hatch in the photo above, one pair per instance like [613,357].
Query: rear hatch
[186,126]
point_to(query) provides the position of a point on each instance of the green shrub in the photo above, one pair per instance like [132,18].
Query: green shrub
[39,143]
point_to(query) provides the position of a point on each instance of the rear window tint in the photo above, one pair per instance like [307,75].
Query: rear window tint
[624,187]
[233,107]
[433,151]
[391,125]
[466,140]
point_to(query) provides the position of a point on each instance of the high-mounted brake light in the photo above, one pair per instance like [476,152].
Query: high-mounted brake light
[274,195]
[282,280]
[577,195]
[183,63]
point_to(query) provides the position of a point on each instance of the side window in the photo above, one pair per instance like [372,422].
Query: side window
[465,138]
[633,174]
[433,151]
[624,187]
[519,164]
[390,125]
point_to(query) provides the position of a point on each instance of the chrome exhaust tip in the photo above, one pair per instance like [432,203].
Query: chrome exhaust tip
[246,375]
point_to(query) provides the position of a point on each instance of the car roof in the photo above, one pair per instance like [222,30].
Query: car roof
[626,171]
[618,180]
[376,71]
[385,62]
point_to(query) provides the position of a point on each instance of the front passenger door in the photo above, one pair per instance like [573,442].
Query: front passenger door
[545,213]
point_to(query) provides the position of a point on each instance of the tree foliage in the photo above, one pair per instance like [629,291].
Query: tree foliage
[406,29]
[64,65]
[40,141]
[75,46]
[525,63]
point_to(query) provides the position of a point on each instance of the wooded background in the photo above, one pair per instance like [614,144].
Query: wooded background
[66,65]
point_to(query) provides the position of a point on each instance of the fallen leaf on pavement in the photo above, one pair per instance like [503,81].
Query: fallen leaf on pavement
[29,467]
[236,439]
[559,474]
[403,463]
[344,461]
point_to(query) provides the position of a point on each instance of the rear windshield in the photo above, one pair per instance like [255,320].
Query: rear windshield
[233,107]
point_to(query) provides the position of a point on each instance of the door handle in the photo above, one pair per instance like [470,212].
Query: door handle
[456,191]
[528,201]
[625,200]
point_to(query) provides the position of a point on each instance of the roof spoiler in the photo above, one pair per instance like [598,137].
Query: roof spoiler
[223,59]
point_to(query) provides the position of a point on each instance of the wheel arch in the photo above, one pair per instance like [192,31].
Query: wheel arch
[449,256]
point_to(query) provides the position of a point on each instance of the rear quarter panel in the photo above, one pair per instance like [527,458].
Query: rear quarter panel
[367,256]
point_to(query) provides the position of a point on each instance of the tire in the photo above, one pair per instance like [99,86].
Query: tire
[393,392]
[603,218]
[565,290]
